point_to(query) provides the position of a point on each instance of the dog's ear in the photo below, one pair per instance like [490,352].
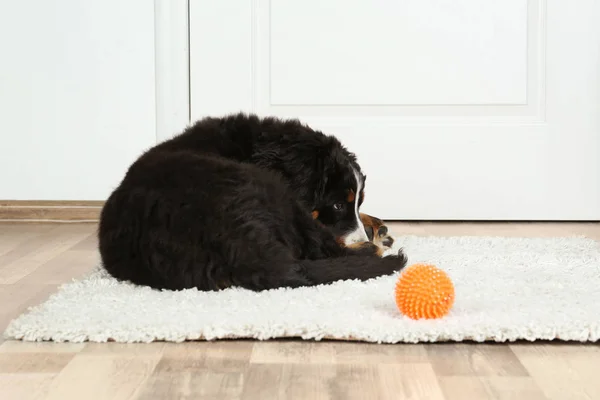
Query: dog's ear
[296,161]
[288,157]
[324,168]
[307,162]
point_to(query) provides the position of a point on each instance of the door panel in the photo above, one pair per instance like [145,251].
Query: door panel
[464,109]
[386,54]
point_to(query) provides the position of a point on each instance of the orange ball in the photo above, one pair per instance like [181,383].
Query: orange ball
[424,291]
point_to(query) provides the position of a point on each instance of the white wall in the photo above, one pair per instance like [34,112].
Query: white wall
[77,95]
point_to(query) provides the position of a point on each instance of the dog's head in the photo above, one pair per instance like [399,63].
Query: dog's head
[323,173]
[341,195]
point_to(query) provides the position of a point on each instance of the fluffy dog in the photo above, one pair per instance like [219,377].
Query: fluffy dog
[258,203]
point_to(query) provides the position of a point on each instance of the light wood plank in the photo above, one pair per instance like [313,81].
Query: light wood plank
[25,386]
[39,251]
[66,265]
[100,376]
[294,352]
[154,349]
[497,388]
[11,347]
[33,362]
[21,241]
[190,384]
[562,371]
[13,236]
[409,381]
[450,359]
[16,298]
[315,381]
[199,370]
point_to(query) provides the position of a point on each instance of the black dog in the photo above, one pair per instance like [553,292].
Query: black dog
[242,201]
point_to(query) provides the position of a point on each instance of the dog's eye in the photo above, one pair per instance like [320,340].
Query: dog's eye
[338,206]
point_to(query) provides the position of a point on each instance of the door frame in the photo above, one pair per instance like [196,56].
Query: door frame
[172,67]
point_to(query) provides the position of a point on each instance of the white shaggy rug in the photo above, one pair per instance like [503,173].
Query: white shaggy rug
[506,289]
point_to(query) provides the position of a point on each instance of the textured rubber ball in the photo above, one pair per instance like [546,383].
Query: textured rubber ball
[424,291]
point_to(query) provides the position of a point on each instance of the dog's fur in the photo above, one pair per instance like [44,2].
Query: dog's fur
[258,203]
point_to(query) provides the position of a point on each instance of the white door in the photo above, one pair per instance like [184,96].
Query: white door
[456,109]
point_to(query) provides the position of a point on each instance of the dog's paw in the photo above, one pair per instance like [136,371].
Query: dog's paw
[377,232]
[402,257]
[383,239]
[395,262]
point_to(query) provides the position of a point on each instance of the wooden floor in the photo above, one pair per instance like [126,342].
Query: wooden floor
[35,258]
